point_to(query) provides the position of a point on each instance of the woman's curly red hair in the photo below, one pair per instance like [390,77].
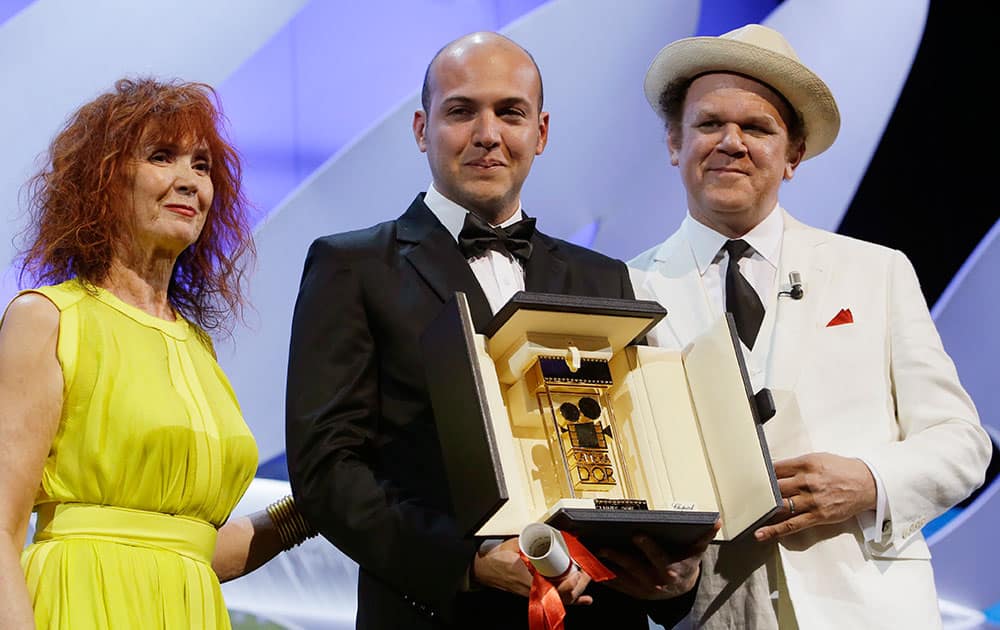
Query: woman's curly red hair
[79,202]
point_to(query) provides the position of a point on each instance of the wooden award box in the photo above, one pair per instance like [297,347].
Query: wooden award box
[559,414]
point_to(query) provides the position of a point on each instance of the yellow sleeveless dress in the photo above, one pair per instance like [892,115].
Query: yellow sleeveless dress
[151,456]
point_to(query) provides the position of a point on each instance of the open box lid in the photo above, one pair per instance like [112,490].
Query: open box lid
[731,420]
[461,409]
[620,320]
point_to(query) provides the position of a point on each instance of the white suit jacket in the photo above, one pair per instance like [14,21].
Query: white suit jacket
[881,388]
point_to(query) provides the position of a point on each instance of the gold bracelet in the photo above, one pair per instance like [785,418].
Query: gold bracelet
[291,525]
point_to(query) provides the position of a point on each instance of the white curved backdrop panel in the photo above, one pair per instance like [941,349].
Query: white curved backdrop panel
[310,587]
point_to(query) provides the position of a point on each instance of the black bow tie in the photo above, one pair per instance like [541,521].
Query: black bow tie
[478,236]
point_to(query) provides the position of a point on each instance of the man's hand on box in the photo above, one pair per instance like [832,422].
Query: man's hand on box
[651,572]
[501,567]
[819,489]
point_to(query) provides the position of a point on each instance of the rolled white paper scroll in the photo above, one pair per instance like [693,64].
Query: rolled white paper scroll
[546,548]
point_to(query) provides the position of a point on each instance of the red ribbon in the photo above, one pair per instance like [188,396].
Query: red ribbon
[545,607]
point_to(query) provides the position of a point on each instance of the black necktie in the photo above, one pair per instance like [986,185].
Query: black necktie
[478,236]
[741,300]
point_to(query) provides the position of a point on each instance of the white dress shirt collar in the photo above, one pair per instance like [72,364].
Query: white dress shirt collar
[764,238]
[452,216]
[499,274]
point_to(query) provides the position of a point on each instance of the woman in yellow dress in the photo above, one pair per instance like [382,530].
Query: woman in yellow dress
[117,425]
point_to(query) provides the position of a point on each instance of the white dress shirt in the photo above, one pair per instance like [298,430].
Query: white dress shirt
[761,270]
[499,273]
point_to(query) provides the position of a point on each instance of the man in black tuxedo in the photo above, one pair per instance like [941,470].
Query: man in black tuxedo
[363,455]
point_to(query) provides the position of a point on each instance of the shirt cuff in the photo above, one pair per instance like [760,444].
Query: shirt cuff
[875,524]
[468,582]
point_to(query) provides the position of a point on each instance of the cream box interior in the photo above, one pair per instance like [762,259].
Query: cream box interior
[681,429]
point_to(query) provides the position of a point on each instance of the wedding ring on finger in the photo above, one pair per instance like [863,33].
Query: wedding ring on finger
[791,505]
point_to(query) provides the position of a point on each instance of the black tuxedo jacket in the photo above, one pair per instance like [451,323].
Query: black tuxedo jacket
[363,455]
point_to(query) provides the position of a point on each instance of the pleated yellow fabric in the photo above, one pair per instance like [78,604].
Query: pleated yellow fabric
[151,456]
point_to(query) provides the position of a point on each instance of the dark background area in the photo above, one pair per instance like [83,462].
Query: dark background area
[930,189]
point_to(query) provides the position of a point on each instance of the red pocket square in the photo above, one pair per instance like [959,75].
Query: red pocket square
[843,317]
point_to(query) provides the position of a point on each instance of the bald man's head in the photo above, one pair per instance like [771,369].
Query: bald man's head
[482,125]
[458,47]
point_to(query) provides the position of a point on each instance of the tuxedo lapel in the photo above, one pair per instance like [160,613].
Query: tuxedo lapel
[435,256]
[794,323]
[546,271]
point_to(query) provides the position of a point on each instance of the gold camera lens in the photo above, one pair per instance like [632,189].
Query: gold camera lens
[569,411]
[590,407]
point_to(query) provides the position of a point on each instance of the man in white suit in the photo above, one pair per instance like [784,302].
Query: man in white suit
[874,435]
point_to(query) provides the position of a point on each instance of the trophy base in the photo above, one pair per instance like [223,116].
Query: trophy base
[597,528]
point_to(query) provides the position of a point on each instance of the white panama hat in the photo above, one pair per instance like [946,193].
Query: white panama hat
[760,53]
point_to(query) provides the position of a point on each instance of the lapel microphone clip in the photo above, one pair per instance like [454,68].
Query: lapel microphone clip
[796,292]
